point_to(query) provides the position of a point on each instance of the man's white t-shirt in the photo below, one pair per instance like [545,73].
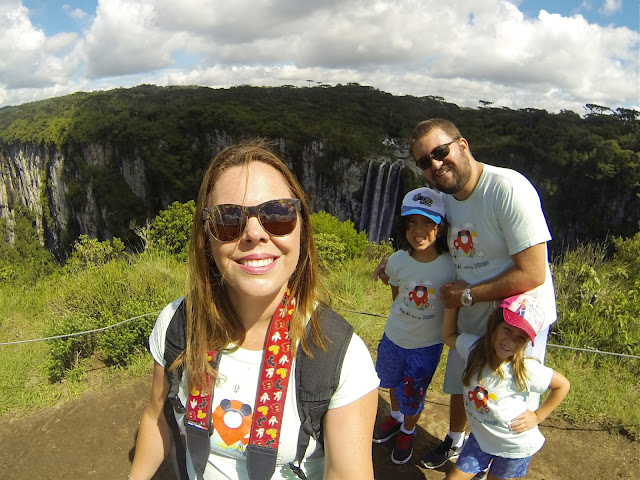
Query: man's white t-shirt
[415,317]
[502,217]
[237,383]
[492,403]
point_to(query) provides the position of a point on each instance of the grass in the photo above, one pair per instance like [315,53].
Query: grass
[604,392]
[110,293]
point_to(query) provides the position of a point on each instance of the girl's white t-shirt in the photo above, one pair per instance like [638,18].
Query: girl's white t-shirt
[237,383]
[492,403]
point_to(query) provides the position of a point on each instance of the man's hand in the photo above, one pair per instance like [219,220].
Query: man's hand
[451,292]
[379,272]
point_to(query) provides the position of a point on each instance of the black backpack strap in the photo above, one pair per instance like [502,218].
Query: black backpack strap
[174,344]
[198,442]
[317,378]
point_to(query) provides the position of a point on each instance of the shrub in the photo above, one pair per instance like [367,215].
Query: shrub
[599,300]
[118,345]
[171,229]
[331,251]
[65,353]
[89,252]
[377,251]
[354,243]
[102,296]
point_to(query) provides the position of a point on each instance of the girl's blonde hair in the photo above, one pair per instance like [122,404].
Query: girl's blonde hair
[212,323]
[482,355]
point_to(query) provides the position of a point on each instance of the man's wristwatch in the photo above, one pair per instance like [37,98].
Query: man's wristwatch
[466,299]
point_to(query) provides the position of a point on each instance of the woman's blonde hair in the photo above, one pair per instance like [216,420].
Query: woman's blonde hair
[482,355]
[212,323]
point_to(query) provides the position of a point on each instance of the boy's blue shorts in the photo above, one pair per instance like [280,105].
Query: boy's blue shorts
[473,460]
[409,371]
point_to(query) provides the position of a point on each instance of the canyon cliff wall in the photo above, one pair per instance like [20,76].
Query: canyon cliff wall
[73,196]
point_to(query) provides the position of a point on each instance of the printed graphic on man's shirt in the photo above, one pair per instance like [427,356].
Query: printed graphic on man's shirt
[232,424]
[480,398]
[463,244]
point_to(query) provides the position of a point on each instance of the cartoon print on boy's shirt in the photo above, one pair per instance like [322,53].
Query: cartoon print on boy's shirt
[232,422]
[418,298]
[480,398]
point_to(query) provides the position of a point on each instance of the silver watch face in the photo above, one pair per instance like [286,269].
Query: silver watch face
[466,299]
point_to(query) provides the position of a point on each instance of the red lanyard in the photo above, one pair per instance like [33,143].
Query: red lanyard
[272,384]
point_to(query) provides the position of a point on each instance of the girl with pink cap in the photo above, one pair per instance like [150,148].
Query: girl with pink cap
[498,380]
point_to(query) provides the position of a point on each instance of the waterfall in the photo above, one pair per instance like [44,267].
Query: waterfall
[376,203]
[390,197]
[366,205]
[380,200]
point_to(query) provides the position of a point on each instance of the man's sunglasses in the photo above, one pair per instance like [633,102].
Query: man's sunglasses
[227,222]
[438,153]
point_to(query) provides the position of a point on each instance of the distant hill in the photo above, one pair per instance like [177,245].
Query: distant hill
[93,162]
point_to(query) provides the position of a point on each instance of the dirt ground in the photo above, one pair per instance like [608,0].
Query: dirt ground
[93,437]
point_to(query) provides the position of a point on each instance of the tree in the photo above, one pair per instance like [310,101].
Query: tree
[171,229]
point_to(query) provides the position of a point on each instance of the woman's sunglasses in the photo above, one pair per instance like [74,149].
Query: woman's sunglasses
[438,153]
[227,222]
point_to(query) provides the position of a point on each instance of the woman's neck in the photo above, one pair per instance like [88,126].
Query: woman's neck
[255,316]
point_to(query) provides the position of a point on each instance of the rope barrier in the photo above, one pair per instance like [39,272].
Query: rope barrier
[587,350]
[78,333]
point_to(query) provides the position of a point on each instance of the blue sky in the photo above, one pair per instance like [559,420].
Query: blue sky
[517,53]
[620,13]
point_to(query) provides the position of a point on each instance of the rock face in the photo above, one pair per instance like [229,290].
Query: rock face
[67,202]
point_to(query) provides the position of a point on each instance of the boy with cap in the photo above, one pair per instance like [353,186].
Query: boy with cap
[410,349]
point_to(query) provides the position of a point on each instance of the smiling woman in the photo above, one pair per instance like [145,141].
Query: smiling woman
[251,310]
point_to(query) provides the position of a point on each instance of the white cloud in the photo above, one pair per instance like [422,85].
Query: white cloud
[75,13]
[464,50]
[28,59]
[610,7]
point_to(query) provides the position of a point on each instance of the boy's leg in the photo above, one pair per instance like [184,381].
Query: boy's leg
[420,366]
[393,400]
[410,421]
[389,366]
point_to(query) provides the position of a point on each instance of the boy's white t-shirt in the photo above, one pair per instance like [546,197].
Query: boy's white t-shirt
[237,382]
[491,405]
[415,317]
[503,216]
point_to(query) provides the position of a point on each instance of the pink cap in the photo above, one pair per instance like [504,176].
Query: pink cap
[524,312]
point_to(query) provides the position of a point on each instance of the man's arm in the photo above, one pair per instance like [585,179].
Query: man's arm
[527,272]
[379,272]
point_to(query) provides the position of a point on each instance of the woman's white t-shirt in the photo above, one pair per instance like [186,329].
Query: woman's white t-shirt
[237,383]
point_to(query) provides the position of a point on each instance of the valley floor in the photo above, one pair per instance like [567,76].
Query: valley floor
[93,436]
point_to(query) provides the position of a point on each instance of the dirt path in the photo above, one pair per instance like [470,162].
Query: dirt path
[93,437]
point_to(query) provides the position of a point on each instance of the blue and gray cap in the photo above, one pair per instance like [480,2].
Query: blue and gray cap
[424,201]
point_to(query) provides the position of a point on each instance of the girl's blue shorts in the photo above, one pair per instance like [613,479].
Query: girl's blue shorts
[473,460]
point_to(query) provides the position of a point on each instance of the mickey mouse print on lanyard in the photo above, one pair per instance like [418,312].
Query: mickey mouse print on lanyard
[272,385]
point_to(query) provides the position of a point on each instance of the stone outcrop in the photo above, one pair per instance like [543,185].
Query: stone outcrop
[49,184]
